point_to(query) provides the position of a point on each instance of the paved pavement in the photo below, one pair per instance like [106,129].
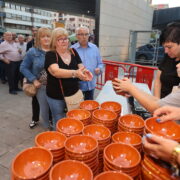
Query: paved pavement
[15,134]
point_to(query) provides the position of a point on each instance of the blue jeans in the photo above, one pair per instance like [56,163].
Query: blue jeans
[44,106]
[88,95]
[57,109]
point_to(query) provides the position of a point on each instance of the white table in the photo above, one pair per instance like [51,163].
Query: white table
[108,94]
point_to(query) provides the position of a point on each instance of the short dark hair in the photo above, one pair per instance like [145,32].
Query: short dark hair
[171,33]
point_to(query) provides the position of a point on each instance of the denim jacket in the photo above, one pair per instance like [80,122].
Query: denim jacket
[33,64]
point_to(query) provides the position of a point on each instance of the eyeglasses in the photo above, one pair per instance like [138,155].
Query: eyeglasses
[63,39]
[87,34]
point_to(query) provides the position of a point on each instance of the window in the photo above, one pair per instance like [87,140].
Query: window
[8,15]
[18,7]
[7,5]
[13,6]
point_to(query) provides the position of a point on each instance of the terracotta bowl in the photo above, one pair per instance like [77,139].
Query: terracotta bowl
[32,163]
[81,144]
[97,131]
[79,114]
[89,105]
[69,126]
[71,169]
[167,129]
[51,140]
[127,138]
[112,106]
[132,121]
[122,155]
[104,115]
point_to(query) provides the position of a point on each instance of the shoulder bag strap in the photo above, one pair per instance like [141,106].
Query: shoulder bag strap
[72,51]
[60,82]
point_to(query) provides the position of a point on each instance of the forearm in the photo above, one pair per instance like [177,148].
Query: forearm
[157,89]
[146,100]
[63,73]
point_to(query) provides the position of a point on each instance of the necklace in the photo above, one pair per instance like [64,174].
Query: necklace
[66,58]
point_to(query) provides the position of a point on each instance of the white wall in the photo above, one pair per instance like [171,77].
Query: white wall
[117,18]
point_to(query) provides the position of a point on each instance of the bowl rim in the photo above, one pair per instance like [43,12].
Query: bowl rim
[28,149]
[114,172]
[120,144]
[112,102]
[75,120]
[92,150]
[71,161]
[51,132]
[97,125]
[86,101]
[112,119]
[88,112]
[132,133]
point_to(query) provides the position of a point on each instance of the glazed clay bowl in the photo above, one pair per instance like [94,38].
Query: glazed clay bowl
[122,155]
[32,163]
[89,105]
[114,175]
[51,140]
[69,126]
[112,106]
[81,144]
[127,138]
[104,115]
[132,121]
[80,114]
[99,132]
[167,129]
[71,169]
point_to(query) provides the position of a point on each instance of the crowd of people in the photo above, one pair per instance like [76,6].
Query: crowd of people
[45,61]
[57,69]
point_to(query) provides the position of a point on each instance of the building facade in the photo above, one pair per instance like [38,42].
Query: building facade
[20,19]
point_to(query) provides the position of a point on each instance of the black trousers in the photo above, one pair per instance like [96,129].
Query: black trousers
[35,109]
[13,74]
[2,71]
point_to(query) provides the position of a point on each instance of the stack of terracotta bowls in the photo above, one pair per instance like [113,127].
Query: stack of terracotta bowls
[53,141]
[168,129]
[131,123]
[114,175]
[155,170]
[69,127]
[83,148]
[112,106]
[89,105]
[106,118]
[102,135]
[122,157]
[80,114]
[128,138]
[71,169]
[33,163]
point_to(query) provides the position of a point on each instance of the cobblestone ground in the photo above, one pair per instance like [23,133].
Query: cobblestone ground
[15,134]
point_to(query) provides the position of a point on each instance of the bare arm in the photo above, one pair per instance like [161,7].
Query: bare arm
[157,85]
[57,72]
[146,100]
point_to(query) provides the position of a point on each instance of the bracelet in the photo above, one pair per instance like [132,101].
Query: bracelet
[174,155]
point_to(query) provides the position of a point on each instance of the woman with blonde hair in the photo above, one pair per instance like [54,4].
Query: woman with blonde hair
[32,68]
[62,64]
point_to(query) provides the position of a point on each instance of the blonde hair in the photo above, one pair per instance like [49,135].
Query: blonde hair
[41,32]
[56,33]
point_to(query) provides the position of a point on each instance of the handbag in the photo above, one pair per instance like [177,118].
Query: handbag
[29,88]
[72,102]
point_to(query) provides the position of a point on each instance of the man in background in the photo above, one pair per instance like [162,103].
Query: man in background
[91,59]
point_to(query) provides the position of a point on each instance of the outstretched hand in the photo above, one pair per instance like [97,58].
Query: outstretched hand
[167,113]
[84,74]
[159,147]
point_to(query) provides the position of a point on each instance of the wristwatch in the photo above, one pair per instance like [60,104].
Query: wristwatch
[174,155]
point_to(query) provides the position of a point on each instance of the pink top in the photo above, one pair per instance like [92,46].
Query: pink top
[9,51]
